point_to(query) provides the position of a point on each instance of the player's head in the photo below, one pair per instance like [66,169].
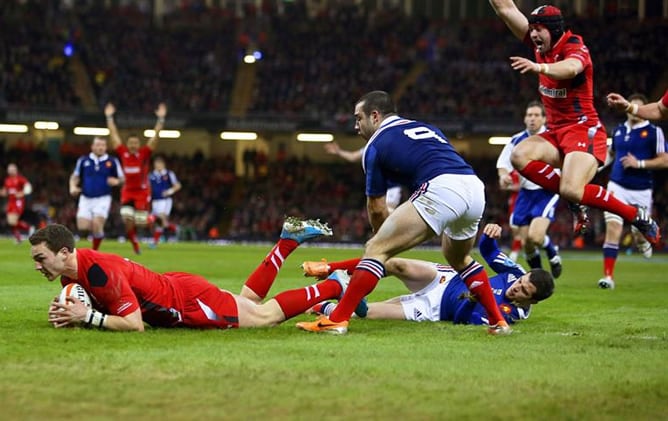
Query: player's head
[370,110]
[534,116]
[546,26]
[99,146]
[12,169]
[133,143]
[532,287]
[159,163]
[50,248]
[639,99]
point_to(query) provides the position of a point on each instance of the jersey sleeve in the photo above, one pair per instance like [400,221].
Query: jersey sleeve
[496,259]
[118,169]
[504,157]
[111,290]
[172,178]
[660,141]
[574,48]
[77,167]
[376,185]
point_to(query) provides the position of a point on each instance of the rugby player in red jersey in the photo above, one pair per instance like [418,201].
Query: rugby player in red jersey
[136,162]
[576,139]
[125,295]
[15,188]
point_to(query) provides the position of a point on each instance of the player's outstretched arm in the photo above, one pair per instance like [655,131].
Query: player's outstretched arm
[114,136]
[651,111]
[512,17]
[74,312]
[350,156]
[160,113]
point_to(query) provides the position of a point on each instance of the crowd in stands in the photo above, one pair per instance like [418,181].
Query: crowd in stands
[252,207]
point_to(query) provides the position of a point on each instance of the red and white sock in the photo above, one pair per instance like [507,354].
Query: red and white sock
[297,301]
[262,278]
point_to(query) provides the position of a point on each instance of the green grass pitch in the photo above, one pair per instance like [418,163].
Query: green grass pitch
[584,354]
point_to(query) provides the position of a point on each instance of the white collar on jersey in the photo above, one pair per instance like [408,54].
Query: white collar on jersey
[161,172]
[98,158]
[636,126]
[390,121]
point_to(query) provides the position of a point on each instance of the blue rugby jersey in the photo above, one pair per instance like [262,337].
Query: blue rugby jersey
[644,141]
[93,172]
[409,153]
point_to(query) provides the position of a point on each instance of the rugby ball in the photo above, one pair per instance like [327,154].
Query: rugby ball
[76,291]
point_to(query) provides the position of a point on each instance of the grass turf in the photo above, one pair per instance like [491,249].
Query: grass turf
[584,354]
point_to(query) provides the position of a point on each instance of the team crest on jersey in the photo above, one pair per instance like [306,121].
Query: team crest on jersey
[505,308]
[442,280]
[107,164]
[644,134]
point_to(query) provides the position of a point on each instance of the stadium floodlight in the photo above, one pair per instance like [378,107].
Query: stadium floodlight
[238,135]
[315,137]
[13,128]
[46,125]
[249,59]
[164,134]
[91,131]
[499,140]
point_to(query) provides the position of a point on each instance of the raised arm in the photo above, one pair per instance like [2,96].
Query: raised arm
[114,137]
[495,258]
[512,17]
[160,113]
[333,148]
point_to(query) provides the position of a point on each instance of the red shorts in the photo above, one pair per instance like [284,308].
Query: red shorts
[16,206]
[205,305]
[579,137]
[138,199]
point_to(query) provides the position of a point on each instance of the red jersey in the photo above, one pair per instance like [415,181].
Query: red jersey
[568,101]
[664,99]
[15,184]
[118,286]
[135,166]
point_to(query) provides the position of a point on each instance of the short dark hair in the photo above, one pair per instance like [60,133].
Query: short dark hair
[538,104]
[380,101]
[639,96]
[544,283]
[55,236]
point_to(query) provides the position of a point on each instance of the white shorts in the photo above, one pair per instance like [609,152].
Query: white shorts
[94,207]
[161,206]
[425,305]
[452,204]
[632,197]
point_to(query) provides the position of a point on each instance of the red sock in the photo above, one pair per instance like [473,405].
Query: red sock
[516,245]
[347,265]
[156,235]
[132,235]
[96,242]
[609,266]
[542,174]
[263,276]
[475,278]
[171,228]
[23,226]
[17,232]
[598,197]
[364,280]
[297,301]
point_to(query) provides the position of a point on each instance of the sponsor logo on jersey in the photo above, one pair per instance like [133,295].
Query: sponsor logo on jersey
[553,92]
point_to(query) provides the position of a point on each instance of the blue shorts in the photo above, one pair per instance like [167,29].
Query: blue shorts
[532,204]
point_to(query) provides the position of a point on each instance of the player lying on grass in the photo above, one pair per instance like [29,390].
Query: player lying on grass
[125,294]
[438,293]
